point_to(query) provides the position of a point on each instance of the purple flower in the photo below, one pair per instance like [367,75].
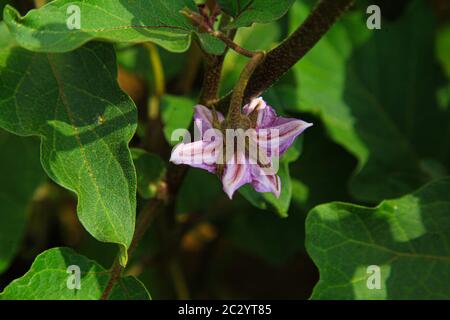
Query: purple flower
[269,134]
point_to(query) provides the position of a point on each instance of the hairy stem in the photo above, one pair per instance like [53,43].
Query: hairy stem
[279,60]
[211,80]
[213,73]
[116,271]
[234,111]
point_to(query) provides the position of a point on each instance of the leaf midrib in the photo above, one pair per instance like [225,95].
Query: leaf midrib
[77,136]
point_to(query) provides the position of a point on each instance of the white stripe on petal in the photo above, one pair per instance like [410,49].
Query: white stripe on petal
[282,134]
[236,174]
[187,153]
[196,154]
[212,151]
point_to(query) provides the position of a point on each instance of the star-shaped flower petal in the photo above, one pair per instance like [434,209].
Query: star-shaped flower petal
[271,134]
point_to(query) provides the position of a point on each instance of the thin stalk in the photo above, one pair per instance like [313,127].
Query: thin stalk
[234,111]
[211,80]
[231,44]
[203,26]
[213,73]
[159,80]
[154,140]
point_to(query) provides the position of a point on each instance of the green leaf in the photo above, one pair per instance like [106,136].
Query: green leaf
[48,279]
[176,113]
[211,44]
[150,169]
[407,238]
[5,37]
[375,91]
[73,102]
[233,7]
[20,175]
[46,29]
[261,11]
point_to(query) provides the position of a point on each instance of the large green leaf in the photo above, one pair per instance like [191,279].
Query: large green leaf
[72,101]
[376,93]
[49,275]
[233,7]
[20,174]
[407,238]
[261,11]
[130,21]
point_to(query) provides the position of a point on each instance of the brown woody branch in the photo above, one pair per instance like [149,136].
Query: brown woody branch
[279,60]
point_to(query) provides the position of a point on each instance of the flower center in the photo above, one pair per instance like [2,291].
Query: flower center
[242,122]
